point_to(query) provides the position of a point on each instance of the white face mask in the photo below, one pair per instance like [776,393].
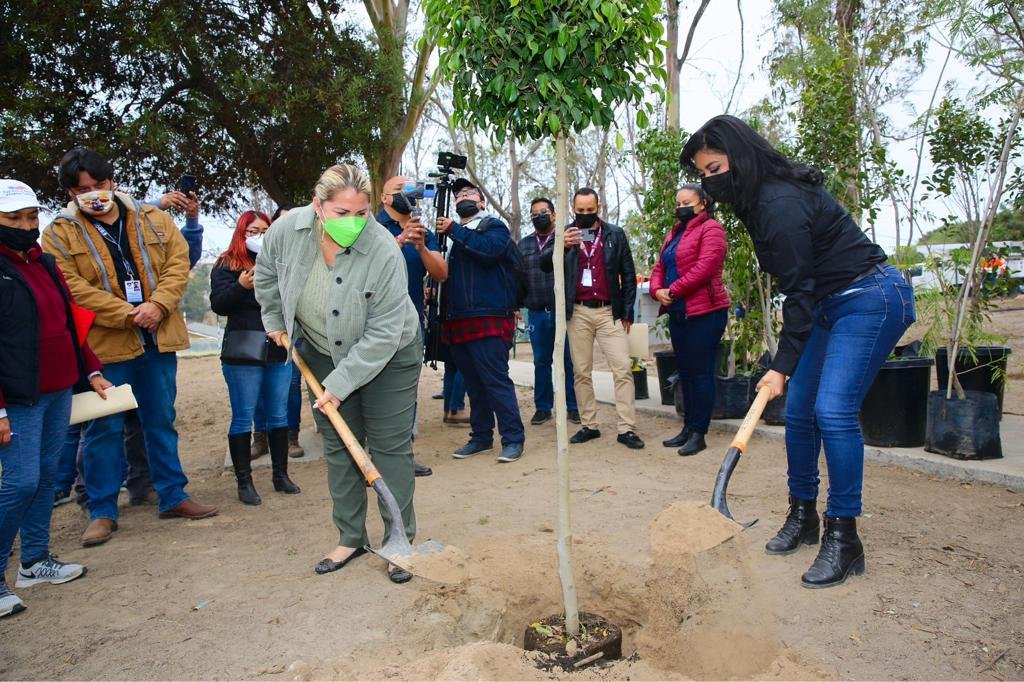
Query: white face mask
[99,202]
[254,243]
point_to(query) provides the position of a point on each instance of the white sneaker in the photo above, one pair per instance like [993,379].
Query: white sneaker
[49,570]
[9,603]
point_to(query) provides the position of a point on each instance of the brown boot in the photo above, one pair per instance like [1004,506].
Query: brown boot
[294,449]
[457,417]
[98,532]
[259,444]
[189,509]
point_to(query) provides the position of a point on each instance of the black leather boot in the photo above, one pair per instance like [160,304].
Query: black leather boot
[677,440]
[277,440]
[694,444]
[801,528]
[841,554]
[240,447]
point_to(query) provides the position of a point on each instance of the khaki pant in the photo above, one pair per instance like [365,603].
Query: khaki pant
[380,415]
[586,326]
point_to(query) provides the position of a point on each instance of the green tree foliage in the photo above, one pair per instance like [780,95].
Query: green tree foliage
[527,68]
[1007,227]
[196,302]
[259,93]
[658,153]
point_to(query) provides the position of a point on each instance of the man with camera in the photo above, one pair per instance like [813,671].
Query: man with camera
[128,263]
[400,214]
[478,306]
[600,292]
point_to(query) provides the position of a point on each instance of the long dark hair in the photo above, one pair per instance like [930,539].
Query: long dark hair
[752,159]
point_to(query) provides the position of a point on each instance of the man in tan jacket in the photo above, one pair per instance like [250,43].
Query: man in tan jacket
[128,263]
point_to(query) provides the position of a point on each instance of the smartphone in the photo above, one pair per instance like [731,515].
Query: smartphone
[588,235]
[186,184]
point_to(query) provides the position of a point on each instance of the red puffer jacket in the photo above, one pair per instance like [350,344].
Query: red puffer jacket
[700,257]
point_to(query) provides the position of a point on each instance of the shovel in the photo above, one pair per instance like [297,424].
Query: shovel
[732,457]
[424,559]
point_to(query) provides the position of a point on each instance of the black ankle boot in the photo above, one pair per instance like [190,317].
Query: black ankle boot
[694,444]
[801,528]
[679,439]
[841,554]
[277,439]
[240,447]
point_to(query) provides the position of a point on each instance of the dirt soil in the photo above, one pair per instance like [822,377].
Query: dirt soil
[235,596]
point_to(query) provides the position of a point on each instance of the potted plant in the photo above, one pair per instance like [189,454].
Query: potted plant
[968,153]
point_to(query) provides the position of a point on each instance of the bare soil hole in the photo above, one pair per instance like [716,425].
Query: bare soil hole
[599,640]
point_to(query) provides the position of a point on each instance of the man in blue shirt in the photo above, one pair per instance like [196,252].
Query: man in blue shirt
[419,246]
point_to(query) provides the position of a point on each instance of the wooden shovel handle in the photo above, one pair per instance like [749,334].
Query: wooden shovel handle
[363,461]
[750,421]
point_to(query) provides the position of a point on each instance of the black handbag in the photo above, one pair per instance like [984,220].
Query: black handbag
[246,347]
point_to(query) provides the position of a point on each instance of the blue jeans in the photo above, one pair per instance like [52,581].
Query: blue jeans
[854,331]
[67,466]
[29,466]
[542,340]
[246,384]
[695,341]
[259,418]
[454,389]
[153,379]
[484,366]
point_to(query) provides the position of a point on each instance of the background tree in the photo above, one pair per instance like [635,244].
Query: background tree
[527,69]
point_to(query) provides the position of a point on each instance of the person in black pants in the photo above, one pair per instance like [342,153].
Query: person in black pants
[845,310]
[254,368]
[687,282]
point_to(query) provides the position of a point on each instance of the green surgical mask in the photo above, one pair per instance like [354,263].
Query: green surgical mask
[345,231]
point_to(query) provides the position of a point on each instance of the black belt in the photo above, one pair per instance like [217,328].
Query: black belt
[593,304]
[546,309]
[873,270]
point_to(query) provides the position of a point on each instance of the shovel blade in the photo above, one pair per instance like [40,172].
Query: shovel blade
[719,495]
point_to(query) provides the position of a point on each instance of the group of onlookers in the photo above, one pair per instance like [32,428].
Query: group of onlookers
[98,304]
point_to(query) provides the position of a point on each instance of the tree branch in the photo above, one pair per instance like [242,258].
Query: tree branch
[743,54]
[689,34]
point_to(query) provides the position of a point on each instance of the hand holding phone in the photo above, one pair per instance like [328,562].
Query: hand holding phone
[186,184]
[588,235]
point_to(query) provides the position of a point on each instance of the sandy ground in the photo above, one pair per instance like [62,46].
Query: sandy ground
[235,596]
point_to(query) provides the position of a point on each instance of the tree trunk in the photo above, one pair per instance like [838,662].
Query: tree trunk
[565,572]
[672,44]
[846,20]
[515,222]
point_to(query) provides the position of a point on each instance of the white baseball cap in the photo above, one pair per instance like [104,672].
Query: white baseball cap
[15,195]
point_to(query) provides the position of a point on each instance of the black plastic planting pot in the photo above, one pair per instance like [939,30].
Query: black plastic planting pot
[985,372]
[964,429]
[895,409]
[666,363]
[640,391]
[732,397]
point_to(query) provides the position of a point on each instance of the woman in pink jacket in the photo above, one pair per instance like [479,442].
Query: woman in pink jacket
[687,281]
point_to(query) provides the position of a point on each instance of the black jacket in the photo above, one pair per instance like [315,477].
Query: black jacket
[618,266]
[813,247]
[230,299]
[19,333]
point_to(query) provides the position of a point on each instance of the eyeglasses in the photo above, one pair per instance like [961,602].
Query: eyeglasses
[250,232]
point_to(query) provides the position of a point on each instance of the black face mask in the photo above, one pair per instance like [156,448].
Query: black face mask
[585,221]
[541,223]
[685,214]
[720,187]
[467,208]
[401,204]
[18,240]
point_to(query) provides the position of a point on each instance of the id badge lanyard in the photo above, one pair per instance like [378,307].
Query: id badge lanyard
[588,274]
[132,285]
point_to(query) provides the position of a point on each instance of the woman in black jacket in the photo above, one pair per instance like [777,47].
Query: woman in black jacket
[41,359]
[845,310]
[253,366]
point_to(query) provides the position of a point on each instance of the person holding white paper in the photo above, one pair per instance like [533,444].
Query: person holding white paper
[41,359]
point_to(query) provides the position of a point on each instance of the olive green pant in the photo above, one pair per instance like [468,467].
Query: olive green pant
[381,416]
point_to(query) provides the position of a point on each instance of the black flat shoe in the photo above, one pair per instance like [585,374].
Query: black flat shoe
[631,440]
[574,416]
[678,439]
[329,566]
[585,434]
[399,575]
[421,469]
[694,444]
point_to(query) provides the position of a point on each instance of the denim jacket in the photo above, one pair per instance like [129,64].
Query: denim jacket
[482,272]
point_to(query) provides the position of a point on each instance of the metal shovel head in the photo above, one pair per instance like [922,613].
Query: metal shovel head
[718,496]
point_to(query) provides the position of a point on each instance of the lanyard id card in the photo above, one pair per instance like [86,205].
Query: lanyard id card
[588,278]
[133,291]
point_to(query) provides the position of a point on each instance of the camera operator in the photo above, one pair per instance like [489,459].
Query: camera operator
[478,307]
[419,246]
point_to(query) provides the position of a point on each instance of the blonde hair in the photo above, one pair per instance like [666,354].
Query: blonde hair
[341,177]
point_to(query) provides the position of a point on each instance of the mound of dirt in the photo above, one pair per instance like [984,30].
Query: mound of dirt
[709,618]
